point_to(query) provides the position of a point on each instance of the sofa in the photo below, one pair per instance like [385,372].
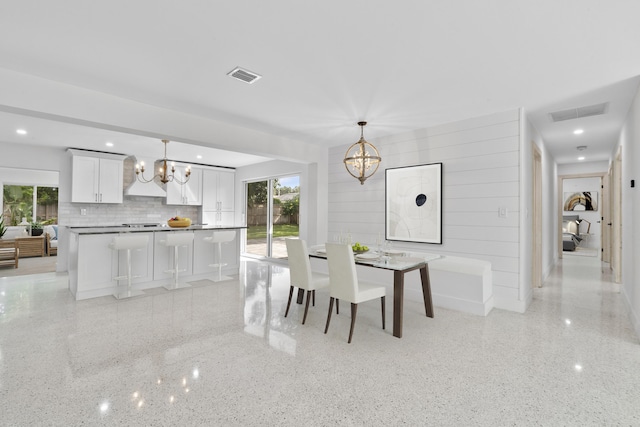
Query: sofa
[51,239]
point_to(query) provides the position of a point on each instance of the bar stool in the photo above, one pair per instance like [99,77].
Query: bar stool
[127,242]
[177,239]
[218,238]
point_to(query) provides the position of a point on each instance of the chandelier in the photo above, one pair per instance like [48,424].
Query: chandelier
[362,158]
[162,171]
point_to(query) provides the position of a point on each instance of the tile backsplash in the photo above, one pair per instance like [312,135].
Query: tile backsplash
[135,209]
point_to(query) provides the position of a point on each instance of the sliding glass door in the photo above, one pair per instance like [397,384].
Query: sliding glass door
[272,215]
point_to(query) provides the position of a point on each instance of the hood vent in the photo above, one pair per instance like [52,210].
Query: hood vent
[149,189]
[580,112]
[244,75]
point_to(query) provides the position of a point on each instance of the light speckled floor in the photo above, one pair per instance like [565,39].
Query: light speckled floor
[223,355]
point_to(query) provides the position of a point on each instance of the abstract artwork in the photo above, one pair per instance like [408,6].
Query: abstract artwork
[581,201]
[414,203]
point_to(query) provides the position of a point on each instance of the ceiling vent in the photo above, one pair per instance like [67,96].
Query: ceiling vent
[244,75]
[577,113]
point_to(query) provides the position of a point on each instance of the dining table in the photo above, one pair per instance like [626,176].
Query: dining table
[400,263]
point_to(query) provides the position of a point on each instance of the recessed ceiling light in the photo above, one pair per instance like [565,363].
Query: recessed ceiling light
[21,132]
[581,158]
[199,156]
[578,131]
[109,144]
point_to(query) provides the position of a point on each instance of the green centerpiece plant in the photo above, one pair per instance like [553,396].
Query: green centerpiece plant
[36,228]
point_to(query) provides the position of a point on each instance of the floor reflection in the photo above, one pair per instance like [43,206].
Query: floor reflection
[267,287]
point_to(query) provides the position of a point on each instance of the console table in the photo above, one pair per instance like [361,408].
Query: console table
[28,246]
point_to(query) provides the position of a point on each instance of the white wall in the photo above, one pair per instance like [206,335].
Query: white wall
[630,145]
[481,174]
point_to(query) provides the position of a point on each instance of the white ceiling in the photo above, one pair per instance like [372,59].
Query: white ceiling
[326,65]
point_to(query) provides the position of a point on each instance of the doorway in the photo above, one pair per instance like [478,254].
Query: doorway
[273,214]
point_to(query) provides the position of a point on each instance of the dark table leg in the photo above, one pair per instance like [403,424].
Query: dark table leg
[398,302]
[426,290]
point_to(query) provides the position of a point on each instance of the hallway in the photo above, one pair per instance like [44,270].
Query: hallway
[222,354]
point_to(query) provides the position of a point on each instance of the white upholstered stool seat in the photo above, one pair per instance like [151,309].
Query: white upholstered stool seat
[177,239]
[218,238]
[127,242]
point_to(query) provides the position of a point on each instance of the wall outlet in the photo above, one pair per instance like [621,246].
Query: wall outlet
[503,212]
[83,211]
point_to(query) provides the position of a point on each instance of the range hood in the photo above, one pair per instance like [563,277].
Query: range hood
[149,189]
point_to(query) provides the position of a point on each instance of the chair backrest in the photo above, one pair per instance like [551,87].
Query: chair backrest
[129,241]
[299,265]
[342,271]
[223,236]
[177,238]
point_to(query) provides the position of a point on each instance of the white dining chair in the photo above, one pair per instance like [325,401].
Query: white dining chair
[300,274]
[344,283]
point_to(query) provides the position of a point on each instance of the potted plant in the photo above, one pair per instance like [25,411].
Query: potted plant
[36,228]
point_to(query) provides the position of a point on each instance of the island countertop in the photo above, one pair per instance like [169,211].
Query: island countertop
[116,229]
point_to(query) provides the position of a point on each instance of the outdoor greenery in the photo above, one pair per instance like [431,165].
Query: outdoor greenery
[279,230]
[18,201]
[291,207]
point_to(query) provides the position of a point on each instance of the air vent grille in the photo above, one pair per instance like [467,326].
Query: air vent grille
[244,75]
[577,113]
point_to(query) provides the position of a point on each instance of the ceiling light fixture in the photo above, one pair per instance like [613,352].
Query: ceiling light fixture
[21,132]
[581,158]
[578,131]
[162,172]
[581,147]
[109,144]
[362,158]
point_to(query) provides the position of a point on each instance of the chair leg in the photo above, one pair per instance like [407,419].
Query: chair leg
[289,302]
[354,311]
[313,293]
[337,306]
[326,328]
[306,307]
[382,299]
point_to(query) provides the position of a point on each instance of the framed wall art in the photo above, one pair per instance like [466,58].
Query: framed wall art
[581,201]
[413,203]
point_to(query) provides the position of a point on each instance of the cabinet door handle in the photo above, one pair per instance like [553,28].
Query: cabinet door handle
[100,197]
[95,198]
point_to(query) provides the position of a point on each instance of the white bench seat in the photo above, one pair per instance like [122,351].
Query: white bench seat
[463,284]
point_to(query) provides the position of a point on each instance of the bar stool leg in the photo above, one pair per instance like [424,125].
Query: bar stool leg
[128,292]
[176,272]
[220,264]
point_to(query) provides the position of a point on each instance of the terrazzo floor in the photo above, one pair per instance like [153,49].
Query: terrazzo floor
[222,354]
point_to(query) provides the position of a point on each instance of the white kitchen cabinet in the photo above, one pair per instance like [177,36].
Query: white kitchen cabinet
[218,197]
[218,190]
[189,193]
[218,218]
[96,178]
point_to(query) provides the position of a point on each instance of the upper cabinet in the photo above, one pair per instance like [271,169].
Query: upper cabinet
[218,189]
[189,193]
[96,177]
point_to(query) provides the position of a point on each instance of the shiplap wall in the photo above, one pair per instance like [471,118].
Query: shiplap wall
[481,174]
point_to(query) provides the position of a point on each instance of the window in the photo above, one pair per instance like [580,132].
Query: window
[36,204]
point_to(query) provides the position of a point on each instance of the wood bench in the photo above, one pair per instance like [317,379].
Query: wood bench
[28,246]
[9,256]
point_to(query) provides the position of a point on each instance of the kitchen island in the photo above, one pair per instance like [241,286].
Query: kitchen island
[93,264]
